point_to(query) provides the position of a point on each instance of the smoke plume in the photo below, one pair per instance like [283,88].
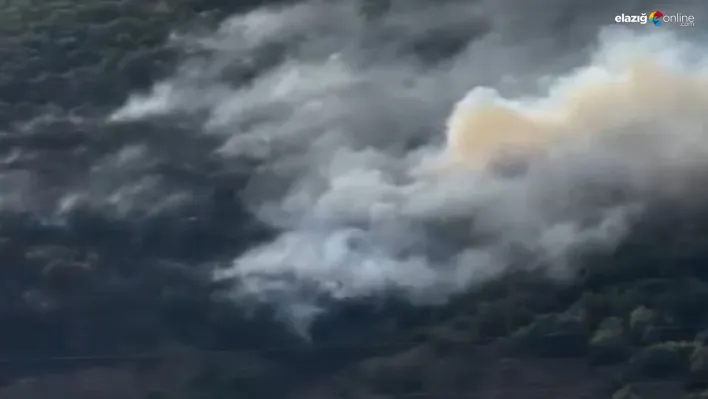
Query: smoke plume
[426,148]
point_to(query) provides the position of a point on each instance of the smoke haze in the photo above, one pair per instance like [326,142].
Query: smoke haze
[381,173]
[420,148]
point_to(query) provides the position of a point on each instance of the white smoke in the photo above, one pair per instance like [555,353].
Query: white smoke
[374,186]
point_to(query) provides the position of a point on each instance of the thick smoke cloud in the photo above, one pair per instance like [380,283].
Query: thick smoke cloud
[378,177]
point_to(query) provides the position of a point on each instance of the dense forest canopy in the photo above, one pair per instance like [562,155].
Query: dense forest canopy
[236,198]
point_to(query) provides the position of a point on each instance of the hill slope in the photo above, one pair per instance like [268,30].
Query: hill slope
[110,235]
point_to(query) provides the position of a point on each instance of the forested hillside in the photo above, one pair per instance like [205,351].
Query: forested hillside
[110,235]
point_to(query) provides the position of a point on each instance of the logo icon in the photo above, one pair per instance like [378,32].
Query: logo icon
[655,17]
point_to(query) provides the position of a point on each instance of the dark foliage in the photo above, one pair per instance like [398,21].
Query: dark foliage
[99,283]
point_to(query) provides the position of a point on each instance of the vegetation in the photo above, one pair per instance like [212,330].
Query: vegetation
[90,288]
